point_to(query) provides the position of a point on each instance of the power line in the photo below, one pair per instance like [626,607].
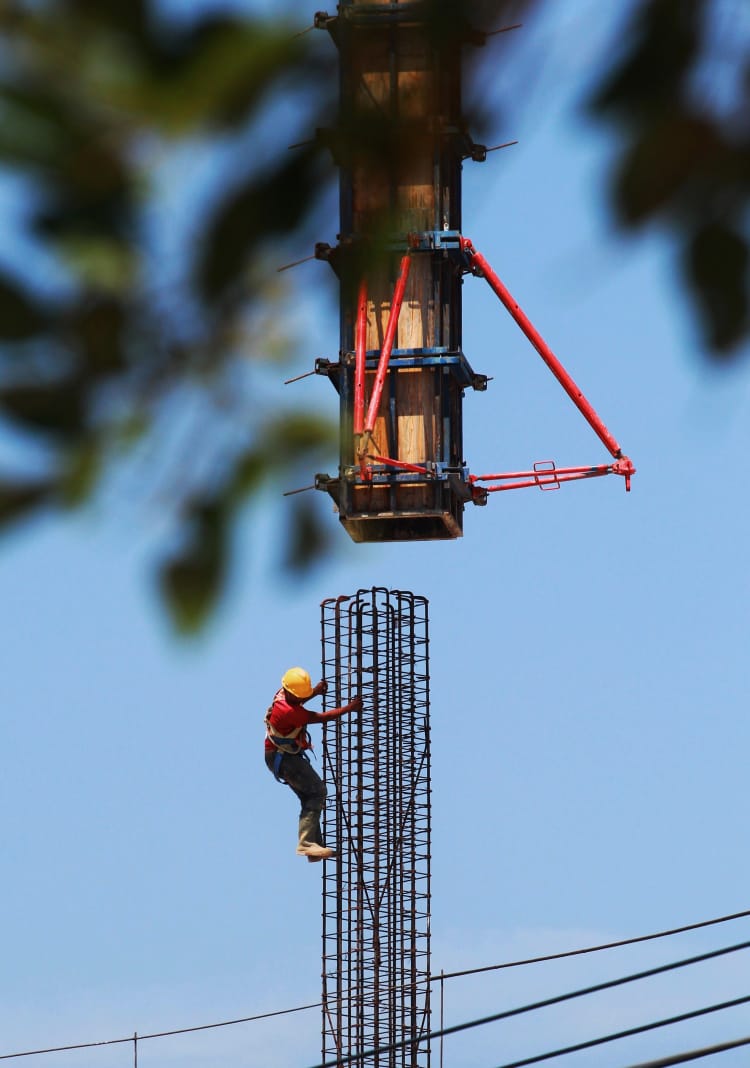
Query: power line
[693,1054]
[592,949]
[545,1003]
[159,1034]
[433,979]
[615,1036]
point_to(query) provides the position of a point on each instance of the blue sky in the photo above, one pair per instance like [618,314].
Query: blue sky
[589,684]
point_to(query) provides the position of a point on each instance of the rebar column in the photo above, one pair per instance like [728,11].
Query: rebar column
[376,893]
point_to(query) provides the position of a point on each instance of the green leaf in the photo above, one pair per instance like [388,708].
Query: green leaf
[308,540]
[250,470]
[224,66]
[19,500]
[265,206]
[717,266]
[99,262]
[211,76]
[34,130]
[296,435]
[193,578]
[21,314]
[84,465]
[58,408]
[96,328]
[673,157]
[665,40]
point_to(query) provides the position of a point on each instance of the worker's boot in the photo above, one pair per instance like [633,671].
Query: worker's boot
[309,844]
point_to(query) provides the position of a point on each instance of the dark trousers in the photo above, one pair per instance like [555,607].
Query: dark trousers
[304,780]
[300,776]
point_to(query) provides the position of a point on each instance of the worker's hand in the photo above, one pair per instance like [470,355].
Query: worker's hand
[355,705]
[322,687]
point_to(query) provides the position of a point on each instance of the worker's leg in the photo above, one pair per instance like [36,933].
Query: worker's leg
[309,788]
[302,778]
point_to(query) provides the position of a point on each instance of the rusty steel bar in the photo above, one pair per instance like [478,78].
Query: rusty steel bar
[376,894]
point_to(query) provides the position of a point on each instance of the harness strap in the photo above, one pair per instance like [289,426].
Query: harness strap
[278,757]
[285,744]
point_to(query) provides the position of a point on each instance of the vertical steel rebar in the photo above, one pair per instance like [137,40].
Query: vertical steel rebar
[376,894]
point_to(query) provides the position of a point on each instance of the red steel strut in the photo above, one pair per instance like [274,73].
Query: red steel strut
[385,354]
[546,478]
[480,267]
[400,465]
[360,338]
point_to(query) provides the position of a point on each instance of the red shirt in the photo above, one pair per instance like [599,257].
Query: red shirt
[285,717]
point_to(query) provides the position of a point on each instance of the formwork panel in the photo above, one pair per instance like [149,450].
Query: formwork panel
[376,894]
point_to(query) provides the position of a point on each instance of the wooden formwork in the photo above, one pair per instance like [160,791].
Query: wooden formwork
[400,157]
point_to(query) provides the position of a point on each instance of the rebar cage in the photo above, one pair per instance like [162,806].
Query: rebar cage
[376,893]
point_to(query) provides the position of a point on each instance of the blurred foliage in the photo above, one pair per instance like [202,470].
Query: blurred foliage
[679,93]
[95,95]
[98,96]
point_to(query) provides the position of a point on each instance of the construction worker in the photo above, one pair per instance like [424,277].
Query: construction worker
[286,743]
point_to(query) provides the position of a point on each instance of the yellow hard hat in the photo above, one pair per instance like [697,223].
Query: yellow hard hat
[297,681]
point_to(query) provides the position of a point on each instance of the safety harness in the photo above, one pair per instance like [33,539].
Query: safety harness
[293,744]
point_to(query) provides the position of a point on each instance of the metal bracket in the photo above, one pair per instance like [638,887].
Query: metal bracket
[454,362]
[463,144]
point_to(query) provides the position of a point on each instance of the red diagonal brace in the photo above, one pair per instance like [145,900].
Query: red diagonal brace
[480,266]
[360,346]
[400,465]
[385,353]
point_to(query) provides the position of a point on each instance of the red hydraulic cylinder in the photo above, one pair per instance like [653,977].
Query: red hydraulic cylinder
[385,352]
[480,266]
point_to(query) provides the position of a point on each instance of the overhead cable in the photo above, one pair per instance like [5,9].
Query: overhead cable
[433,979]
[615,1036]
[592,949]
[693,1054]
[545,1003]
[159,1034]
